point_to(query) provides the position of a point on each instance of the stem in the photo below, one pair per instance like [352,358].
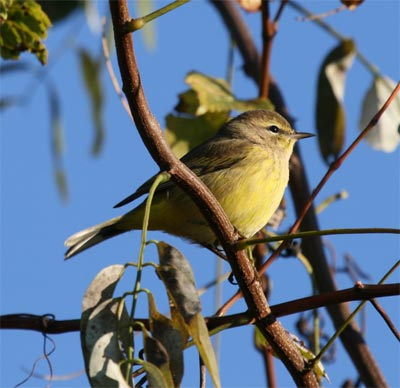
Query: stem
[241,244]
[163,177]
[138,23]
[386,318]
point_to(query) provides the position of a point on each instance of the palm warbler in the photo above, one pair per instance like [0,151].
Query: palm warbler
[246,167]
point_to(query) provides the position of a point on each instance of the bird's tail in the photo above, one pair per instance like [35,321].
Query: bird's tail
[94,235]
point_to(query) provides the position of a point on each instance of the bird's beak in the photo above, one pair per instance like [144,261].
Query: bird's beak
[301,135]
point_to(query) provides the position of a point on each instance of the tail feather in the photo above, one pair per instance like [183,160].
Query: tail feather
[91,236]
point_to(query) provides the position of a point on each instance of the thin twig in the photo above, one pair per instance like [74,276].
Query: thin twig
[110,69]
[386,318]
[269,367]
[241,244]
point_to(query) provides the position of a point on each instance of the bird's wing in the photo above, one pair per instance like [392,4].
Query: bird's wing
[204,159]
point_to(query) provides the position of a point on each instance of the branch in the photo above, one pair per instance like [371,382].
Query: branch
[49,325]
[352,339]
[151,135]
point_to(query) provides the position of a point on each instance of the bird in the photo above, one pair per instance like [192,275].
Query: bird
[246,167]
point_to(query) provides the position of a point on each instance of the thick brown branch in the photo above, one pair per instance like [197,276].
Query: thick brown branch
[243,270]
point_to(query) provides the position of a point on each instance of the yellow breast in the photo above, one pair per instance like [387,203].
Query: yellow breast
[251,191]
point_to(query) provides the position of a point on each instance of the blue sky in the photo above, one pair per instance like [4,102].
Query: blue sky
[35,221]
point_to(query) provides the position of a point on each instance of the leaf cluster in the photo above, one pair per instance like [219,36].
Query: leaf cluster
[23,26]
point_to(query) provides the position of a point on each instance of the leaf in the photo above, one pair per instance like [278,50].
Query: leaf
[214,95]
[103,340]
[154,375]
[330,114]
[57,140]
[177,276]
[205,108]
[157,355]
[90,69]
[101,347]
[23,27]
[385,136]
[184,133]
[169,335]
[100,290]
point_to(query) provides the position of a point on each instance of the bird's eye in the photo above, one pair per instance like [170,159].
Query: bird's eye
[273,129]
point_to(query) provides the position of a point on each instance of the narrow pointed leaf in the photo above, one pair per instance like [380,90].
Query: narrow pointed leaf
[57,140]
[155,377]
[330,114]
[164,330]
[177,276]
[157,355]
[91,72]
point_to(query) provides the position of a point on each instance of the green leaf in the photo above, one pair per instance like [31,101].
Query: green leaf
[23,28]
[170,336]
[330,114]
[177,276]
[57,143]
[157,355]
[214,95]
[205,108]
[184,133]
[91,72]
[154,375]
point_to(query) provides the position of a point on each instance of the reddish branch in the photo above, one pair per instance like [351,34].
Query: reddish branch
[48,324]
[352,338]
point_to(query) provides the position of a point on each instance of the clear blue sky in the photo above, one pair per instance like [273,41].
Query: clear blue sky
[35,222]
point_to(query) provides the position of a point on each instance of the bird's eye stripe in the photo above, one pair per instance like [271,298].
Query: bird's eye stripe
[273,129]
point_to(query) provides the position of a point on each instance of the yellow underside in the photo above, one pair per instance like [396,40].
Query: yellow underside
[249,193]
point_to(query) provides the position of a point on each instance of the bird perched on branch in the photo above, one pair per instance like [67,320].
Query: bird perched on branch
[245,165]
